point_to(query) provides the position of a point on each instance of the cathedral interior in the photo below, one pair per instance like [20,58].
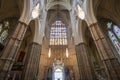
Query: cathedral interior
[59,40]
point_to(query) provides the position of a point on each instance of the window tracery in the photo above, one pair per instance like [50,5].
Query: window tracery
[116,31]
[4,26]
[58,35]
[114,35]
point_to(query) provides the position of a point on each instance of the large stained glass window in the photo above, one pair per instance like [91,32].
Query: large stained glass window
[4,26]
[58,35]
[114,35]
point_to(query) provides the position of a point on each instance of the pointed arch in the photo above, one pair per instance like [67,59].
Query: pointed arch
[63,3]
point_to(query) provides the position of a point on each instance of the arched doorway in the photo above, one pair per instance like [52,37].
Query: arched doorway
[58,71]
[58,74]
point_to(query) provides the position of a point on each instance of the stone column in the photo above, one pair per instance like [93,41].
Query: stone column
[107,56]
[84,64]
[31,70]
[11,49]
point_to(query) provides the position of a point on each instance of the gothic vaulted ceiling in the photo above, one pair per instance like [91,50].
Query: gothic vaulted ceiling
[58,11]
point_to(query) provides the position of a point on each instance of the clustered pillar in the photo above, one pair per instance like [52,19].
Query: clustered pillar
[111,63]
[32,67]
[11,50]
[85,69]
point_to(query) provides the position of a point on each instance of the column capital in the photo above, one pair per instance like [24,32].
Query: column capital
[82,43]
[93,24]
[35,43]
[23,23]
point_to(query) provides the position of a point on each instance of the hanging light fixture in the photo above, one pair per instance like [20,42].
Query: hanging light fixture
[35,11]
[49,53]
[67,54]
[81,13]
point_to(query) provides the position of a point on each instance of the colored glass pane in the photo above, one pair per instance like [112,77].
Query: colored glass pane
[4,26]
[3,36]
[58,33]
[117,31]
[114,41]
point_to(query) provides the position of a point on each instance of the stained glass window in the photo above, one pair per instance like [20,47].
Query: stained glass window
[117,31]
[4,26]
[114,35]
[58,35]
[114,41]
